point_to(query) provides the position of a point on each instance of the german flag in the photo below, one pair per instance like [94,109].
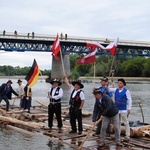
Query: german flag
[33,74]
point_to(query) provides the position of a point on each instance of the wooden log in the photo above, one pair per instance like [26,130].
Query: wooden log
[138,131]
[19,130]
[42,103]
[23,123]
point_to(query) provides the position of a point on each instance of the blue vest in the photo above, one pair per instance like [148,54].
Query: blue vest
[121,99]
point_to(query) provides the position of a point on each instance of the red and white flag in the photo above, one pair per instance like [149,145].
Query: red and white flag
[90,58]
[56,48]
[112,47]
[94,44]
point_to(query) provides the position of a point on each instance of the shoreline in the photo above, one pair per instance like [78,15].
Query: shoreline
[84,78]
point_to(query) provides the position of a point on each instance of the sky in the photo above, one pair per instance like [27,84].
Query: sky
[126,19]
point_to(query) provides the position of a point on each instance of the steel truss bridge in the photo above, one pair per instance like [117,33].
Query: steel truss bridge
[71,44]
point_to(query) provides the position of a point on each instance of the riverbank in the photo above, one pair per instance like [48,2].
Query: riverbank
[116,78]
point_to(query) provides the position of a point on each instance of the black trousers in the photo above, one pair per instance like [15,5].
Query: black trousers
[56,108]
[7,102]
[76,113]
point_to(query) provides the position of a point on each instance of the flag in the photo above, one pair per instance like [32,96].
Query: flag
[56,48]
[33,74]
[94,44]
[112,47]
[90,58]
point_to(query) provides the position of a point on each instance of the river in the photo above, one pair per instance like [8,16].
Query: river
[12,140]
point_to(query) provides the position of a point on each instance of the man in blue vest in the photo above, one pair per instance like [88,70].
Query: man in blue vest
[104,89]
[109,111]
[76,104]
[6,91]
[123,102]
[55,94]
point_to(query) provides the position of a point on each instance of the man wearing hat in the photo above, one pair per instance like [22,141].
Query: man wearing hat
[6,91]
[104,89]
[109,111]
[76,104]
[123,102]
[55,94]
[20,91]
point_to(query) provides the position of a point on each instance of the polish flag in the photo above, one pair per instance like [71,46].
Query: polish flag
[90,58]
[112,47]
[56,48]
[94,44]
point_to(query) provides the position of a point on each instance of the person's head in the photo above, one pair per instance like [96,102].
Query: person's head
[77,85]
[104,81]
[55,82]
[19,82]
[9,82]
[97,93]
[121,83]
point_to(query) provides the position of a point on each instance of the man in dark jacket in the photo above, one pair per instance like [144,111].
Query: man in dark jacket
[6,93]
[109,112]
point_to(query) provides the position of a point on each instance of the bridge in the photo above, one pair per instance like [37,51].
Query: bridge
[69,44]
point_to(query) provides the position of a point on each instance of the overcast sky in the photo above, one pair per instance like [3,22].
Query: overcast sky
[126,19]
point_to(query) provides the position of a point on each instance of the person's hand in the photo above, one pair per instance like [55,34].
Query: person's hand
[128,111]
[93,88]
[102,117]
[65,75]
[93,123]
[50,97]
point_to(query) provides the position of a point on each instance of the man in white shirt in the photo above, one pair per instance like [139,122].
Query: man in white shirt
[55,94]
[76,104]
[123,102]
[20,91]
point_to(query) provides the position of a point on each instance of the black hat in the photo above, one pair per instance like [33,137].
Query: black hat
[122,80]
[55,81]
[97,91]
[79,83]
[19,81]
[9,81]
[104,79]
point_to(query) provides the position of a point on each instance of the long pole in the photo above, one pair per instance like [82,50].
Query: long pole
[112,63]
[94,71]
[88,134]
[62,62]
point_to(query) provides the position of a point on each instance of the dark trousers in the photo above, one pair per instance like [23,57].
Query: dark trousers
[54,108]
[76,113]
[7,102]
[26,103]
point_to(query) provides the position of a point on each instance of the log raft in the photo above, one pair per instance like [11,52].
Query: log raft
[24,122]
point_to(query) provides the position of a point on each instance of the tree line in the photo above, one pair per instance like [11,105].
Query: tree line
[138,67]
[8,70]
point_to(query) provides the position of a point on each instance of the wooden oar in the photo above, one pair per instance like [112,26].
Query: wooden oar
[88,134]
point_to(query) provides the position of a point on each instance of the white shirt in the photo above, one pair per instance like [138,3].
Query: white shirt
[20,89]
[129,99]
[60,95]
[82,96]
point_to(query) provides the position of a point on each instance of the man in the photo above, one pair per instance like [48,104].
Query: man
[109,112]
[20,91]
[123,102]
[76,104]
[104,89]
[55,94]
[6,91]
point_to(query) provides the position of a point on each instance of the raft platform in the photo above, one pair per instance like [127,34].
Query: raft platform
[37,121]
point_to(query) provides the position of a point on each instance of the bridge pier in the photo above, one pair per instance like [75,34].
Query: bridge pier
[57,70]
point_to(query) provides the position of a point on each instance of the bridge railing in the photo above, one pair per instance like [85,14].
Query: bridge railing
[71,38]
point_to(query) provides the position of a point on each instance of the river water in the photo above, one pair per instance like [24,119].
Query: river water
[12,140]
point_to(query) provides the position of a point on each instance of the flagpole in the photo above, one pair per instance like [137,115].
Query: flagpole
[112,63]
[62,62]
[94,70]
